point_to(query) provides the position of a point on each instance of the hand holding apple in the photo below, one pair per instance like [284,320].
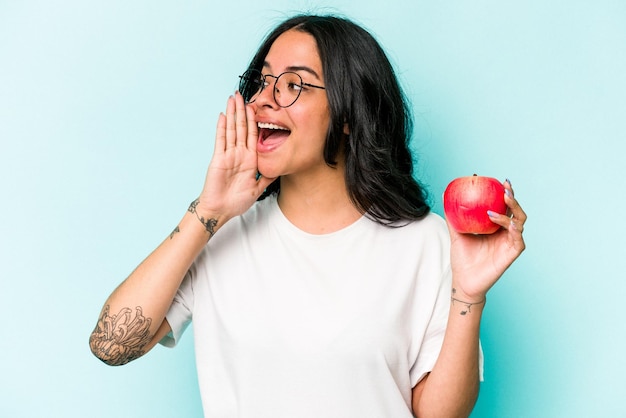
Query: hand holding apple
[477,258]
[466,201]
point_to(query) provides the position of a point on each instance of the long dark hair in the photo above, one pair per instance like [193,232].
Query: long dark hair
[363,91]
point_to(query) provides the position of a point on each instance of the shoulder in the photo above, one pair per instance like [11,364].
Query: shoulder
[426,239]
[432,221]
[254,221]
[432,226]
[261,209]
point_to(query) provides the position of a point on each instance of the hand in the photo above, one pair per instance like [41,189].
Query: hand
[231,185]
[478,261]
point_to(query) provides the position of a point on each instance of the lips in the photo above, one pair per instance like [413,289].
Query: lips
[271,136]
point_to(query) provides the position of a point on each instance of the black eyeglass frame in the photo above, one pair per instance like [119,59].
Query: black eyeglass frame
[244,83]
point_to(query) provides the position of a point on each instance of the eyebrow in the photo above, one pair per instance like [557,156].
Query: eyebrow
[295,68]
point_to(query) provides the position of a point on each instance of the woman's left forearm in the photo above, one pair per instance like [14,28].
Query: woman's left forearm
[451,388]
[477,263]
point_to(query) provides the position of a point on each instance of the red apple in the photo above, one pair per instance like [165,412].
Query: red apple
[467,200]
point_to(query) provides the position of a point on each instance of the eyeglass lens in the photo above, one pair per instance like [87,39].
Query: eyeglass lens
[287,87]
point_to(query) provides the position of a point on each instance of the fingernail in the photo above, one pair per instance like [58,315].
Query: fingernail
[507,192]
[491,213]
[509,181]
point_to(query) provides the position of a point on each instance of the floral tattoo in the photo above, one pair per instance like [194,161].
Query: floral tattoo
[119,339]
[209,224]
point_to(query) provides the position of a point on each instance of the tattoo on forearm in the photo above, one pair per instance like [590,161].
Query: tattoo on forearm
[209,224]
[175,231]
[118,339]
[468,305]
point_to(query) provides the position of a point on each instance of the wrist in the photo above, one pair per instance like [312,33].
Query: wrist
[467,290]
[210,222]
[464,304]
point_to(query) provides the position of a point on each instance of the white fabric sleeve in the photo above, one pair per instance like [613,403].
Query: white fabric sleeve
[180,312]
[433,340]
[435,331]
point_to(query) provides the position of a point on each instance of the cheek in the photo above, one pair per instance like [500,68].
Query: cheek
[312,124]
[320,121]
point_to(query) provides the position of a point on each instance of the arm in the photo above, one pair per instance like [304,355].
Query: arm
[133,320]
[451,389]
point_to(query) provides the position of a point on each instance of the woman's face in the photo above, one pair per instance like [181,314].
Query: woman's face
[291,140]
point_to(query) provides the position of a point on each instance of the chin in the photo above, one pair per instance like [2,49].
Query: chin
[268,171]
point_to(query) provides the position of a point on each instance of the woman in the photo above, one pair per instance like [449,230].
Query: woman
[326,288]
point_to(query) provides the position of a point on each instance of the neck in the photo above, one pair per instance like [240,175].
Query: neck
[318,204]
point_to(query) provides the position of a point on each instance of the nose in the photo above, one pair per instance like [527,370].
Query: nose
[266,96]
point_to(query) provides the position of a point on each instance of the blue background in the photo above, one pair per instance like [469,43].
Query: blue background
[107,116]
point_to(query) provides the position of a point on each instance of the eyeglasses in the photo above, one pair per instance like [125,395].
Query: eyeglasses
[287,86]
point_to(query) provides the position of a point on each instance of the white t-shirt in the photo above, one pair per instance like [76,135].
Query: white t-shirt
[290,324]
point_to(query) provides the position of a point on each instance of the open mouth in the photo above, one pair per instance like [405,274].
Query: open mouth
[272,133]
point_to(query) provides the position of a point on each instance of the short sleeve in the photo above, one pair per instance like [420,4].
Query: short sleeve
[435,331]
[433,340]
[180,312]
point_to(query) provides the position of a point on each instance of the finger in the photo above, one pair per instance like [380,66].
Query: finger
[515,210]
[253,131]
[220,135]
[515,233]
[263,183]
[231,128]
[508,190]
[507,185]
[516,217]
[505,221]
[241,122]
[516,220]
